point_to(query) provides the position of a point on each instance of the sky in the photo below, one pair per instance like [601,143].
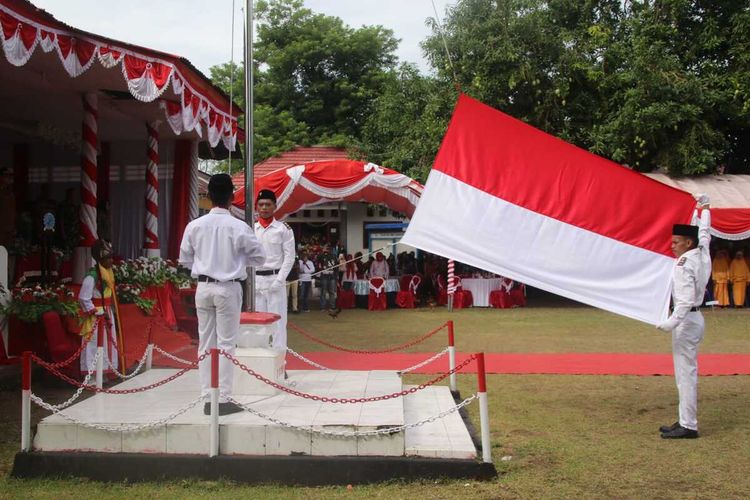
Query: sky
[200,30]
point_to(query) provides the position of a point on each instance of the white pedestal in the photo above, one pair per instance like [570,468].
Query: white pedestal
[266,362]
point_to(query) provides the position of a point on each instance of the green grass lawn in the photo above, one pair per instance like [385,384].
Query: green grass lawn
[562,436]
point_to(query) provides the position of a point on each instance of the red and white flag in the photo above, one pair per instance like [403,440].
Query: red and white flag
[506,197]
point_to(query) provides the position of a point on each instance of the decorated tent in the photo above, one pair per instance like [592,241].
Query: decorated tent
[313,183]
[730,201]
[118,124]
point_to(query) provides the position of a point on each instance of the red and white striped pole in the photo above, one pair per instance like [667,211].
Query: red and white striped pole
[451,282]
[100,332]
[82,257]
[484,410]
[151,219]
[26,402]
[193,205]
[213,444]
[451,356]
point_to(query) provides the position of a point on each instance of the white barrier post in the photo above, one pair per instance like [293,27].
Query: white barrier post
[100,332]
[26,402]
[484,410]
[149,356]
[451,356]
[214,426]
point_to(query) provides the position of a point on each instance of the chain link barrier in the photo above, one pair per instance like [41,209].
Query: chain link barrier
[171,356]
[137,368]
[306,360]
[335,400]
[400,347]
[75,355]
[424,363]
[78,392]
[93,388]
[386,431]
[117,427]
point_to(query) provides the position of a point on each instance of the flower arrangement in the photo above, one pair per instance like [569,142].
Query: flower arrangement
[132,294]
[28,303]
[146,272]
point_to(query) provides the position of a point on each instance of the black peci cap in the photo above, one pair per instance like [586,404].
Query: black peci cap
[266,194]
[685,230]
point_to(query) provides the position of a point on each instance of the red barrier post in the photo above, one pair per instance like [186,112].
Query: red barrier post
[214,427]
[26,402]
[484,411]
[451,355]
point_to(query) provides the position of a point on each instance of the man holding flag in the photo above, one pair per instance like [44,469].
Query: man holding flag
[690,277]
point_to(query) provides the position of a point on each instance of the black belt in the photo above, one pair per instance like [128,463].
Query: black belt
[692,309]
[208,279]
[267,272]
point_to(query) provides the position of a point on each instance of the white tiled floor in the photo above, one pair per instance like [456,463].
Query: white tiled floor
[244,433]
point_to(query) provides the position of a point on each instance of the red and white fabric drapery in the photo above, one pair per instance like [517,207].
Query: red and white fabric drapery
[151,219]
[319,182]
[147,73]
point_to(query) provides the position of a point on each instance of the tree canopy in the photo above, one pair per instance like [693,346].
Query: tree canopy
[653,84]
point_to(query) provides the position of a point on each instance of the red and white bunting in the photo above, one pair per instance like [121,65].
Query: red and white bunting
[151,219]
[147,76]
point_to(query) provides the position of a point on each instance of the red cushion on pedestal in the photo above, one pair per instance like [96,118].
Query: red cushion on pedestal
[258,318]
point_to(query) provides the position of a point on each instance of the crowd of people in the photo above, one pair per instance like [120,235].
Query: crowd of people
[730,275]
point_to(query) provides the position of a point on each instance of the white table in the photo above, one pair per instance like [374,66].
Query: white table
[480,289]
[362,287]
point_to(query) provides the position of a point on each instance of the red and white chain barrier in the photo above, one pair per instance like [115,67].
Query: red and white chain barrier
[337,400]
[399,347]
[151,217]
[385,431]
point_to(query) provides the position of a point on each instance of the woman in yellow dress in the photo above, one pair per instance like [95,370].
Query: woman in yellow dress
[720,277]
[739,275]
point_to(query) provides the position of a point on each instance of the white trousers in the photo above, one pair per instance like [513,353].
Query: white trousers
[685,340]
[110,348]
[273,301]
[218,306]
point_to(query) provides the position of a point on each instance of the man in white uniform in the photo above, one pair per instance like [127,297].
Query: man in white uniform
[277,239]
[218,248]
[690,277]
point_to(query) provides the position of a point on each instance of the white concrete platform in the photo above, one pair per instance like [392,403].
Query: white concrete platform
[247,434]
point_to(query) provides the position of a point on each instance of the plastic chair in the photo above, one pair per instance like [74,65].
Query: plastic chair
[461,298]
[376,300]
[405,298]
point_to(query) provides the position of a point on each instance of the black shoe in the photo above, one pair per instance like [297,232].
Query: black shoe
[224,408]
[669,428]
[680,433]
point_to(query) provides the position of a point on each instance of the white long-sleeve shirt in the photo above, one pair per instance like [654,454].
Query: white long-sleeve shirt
[220,246]
[691,273]
[379,268]
[278,242]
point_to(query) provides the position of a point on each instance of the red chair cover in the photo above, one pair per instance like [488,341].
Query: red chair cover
[518,296]
[345,299]
[403,282]
[376,301]
[500,299]
[406,297]
[61,344]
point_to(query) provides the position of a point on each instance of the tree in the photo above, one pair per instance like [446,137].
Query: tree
[324,73]
[408,122]
[652,84]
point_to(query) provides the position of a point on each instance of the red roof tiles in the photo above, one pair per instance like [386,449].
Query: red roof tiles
[297,156]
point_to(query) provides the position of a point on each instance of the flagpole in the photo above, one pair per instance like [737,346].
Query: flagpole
[249,175]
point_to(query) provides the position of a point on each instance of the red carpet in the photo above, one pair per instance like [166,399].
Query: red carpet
[534,363]
[179,344]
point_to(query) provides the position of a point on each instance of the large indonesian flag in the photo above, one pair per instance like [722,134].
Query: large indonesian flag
[506,197]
